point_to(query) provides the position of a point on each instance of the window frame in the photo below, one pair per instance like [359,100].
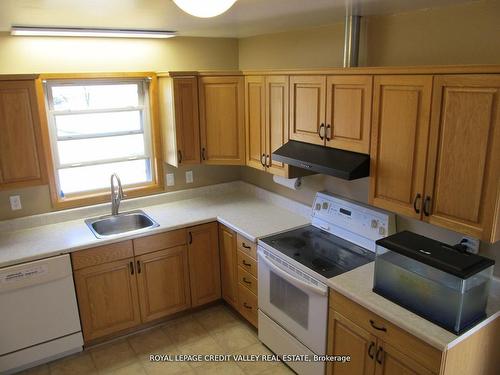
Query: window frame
[151,135]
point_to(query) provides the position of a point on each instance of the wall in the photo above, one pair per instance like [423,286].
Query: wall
[461,34]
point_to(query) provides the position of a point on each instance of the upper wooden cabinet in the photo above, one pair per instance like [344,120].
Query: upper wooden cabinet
[332,111]
[266,119]
[439,163]
[401,108]
[204,265]
[348,112]
[222,125]
[462,189]
[180,120]
[21,152]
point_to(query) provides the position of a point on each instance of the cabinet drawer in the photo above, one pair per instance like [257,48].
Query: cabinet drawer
[248,304]
[101,254]
[247,280]
[159,241]
[247,263]
[247,246]
[415,348]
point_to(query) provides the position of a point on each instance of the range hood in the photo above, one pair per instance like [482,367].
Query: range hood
[325,160]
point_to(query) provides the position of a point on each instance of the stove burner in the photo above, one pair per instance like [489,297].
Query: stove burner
[296,254]
[321,264]
[292,242]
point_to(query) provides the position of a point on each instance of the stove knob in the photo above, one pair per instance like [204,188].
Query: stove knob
[374,223]
[318,207]
[325,205]
[381,231]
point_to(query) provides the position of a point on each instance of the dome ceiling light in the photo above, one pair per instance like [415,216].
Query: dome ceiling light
[204,8]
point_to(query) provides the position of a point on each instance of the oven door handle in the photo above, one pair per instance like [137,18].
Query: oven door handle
[295,281]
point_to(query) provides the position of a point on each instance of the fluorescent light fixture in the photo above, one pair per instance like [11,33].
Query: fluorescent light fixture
[204,8]
[87,32]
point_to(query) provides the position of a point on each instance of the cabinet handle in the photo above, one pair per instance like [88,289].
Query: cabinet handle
[370,350]
[190,235]
[138,266]
[427,203]
[246,264]
[131,265]
[246,246]
[246,281]
[415,201]
[268,161]
[203,153]
[246,306]
[321,131]
[263,160]
[380,355]
[377,328]
[328,132]
[179,156]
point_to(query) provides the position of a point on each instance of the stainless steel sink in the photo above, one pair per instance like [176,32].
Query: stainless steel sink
[126,222]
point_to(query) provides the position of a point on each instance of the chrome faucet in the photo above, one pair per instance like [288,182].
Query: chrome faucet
[116,194]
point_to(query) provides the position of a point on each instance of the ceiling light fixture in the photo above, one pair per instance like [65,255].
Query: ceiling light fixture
[204,8]
[88,32]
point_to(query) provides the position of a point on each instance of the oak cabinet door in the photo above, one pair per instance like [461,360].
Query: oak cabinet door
[390,361]
[277,95]
[204,266]
[107,298]
[401,108]
[307,109]
[347,338]
[21,154]
[222,120]
[229,265]
[348,112]
[163,283]
[462,185]
[255,124]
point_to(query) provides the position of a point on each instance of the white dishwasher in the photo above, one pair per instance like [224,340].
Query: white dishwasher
[39,318]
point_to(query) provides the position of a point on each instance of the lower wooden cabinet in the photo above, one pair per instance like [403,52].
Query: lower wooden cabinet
[204,266]
[163,283]
[107,298]
[228,265]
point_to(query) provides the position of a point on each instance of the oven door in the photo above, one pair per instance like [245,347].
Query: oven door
[295,301]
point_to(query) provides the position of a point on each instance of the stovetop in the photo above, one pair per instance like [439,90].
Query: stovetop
[320,251]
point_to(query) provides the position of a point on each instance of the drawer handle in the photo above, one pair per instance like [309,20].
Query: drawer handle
[179,156]
[246,281]
[138,266]
[377,328]
[245,246]
[190,239]
[131,264]
[246,306]
[380,355]
[427,204]
[415,202]
[371,354]
[246,264]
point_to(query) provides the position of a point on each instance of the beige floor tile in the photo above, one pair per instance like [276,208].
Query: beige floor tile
[38,370]
[216,318]
[76,364]
[206,345]
[113,355]
[185,331]
[134,368]
[252,368]
[219,368]
[153,341]
[166,368]
[235,337]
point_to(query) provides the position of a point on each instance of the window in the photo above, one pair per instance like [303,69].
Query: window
[98,127]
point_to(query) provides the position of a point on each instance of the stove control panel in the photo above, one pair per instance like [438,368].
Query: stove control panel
[331,212]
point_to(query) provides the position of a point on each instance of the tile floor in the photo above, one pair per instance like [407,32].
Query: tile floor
[216,330]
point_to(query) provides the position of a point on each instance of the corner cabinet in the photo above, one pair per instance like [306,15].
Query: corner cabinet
[21,152]
[179,118]
[228,265]
[334,111]
[266,121]
[222,125]
[436,150]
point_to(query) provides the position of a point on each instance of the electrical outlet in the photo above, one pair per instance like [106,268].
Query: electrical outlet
[189,177]
[471,243]
[15,202]
[170,179]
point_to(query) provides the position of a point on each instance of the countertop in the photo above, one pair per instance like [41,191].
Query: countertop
[251,216]
[357,285]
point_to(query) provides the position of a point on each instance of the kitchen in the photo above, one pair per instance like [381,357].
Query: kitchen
[264,182]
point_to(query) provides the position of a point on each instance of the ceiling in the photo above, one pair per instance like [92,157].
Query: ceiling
[245,18]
